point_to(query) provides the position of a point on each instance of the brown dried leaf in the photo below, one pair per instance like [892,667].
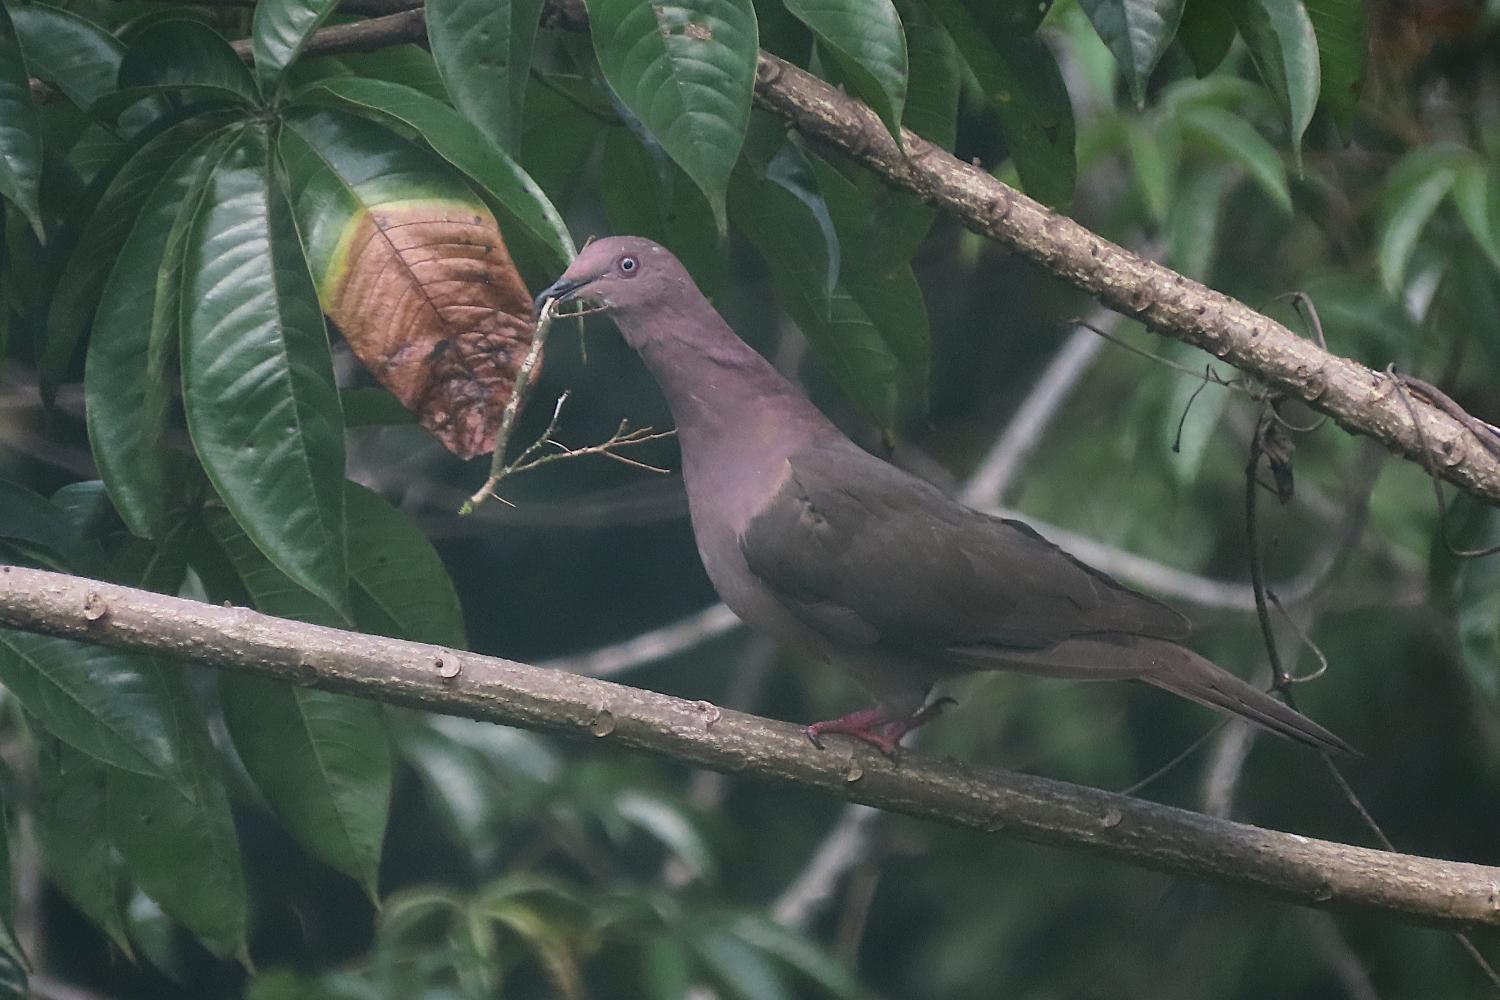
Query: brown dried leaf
[431,302]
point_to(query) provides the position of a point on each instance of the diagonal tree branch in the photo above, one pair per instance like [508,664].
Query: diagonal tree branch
[1362,400]
[1312,872]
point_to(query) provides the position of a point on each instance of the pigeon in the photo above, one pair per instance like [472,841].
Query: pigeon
[849,560]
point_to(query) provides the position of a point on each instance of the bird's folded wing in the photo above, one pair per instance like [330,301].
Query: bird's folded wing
[868,554]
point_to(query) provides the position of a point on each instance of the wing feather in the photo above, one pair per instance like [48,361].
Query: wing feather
[870,555]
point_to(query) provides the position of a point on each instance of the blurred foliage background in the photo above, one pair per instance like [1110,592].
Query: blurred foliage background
[168,418]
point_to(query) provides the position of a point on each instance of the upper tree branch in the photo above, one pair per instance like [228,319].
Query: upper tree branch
[1362,400]
[1301,869]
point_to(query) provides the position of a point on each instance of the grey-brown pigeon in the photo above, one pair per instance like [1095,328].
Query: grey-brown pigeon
[846,558]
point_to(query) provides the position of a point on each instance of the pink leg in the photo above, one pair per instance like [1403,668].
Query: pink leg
[876,727]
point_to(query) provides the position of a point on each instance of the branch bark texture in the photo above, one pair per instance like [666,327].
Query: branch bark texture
[1362,400]
[1301,869]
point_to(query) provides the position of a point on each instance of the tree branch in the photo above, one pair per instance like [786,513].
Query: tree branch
[1312,872]
[1362,400]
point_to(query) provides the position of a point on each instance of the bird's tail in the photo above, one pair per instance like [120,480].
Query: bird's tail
[1185,673]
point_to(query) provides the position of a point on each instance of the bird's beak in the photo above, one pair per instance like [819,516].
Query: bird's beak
[563,289]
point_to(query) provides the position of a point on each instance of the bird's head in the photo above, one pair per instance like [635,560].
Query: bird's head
[619,275]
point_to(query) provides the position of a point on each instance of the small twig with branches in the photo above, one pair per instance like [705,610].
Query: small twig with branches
[530,458]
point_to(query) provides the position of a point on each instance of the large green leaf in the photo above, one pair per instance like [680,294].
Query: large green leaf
[20,129]
[76,294]
[1342,45]
[112,705]
[257,374]
[483,51]
[400,586]
[1414,190]
[1137,33]
[127,369]
[186,55]
[867,41]
[79,57]
[520,199]
[323,760]
[71,814]
[1284,47]
[179,844]
[1478,203]
[279,31]
[1018,75]
[323,763]
[1236,140]
[685,68]
[840,332]
[933,81]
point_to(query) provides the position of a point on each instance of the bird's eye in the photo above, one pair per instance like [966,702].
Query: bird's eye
[629,266]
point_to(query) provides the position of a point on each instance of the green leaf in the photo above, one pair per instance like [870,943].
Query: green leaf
[671,826]
[323,763]
[13,963]
[877,272]
[71,812]
[400,586]
[257,373]
[323,760]
[76,296]
[1137,33]
[867,41]
[40,530]
[74,54]
[1475,198]
[740,968]
[799,952]
[666,967]
[1416,187]
[181,54]
[1206,31]
[1284,48]
[933,80]
[1192,228]
[1474,588]
[1152,173]
[126,372]
[279,31]
[1018,75]
[483,52]
[840,332]
[113,706]
[181,848]
[1342,45]
[1236,140]
[20,130]
[651,197]
[13,977]
[685,68]
[519,197]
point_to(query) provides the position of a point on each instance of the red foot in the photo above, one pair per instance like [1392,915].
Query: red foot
[876,727]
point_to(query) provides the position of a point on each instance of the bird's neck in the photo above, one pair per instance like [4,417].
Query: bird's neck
[731,406]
